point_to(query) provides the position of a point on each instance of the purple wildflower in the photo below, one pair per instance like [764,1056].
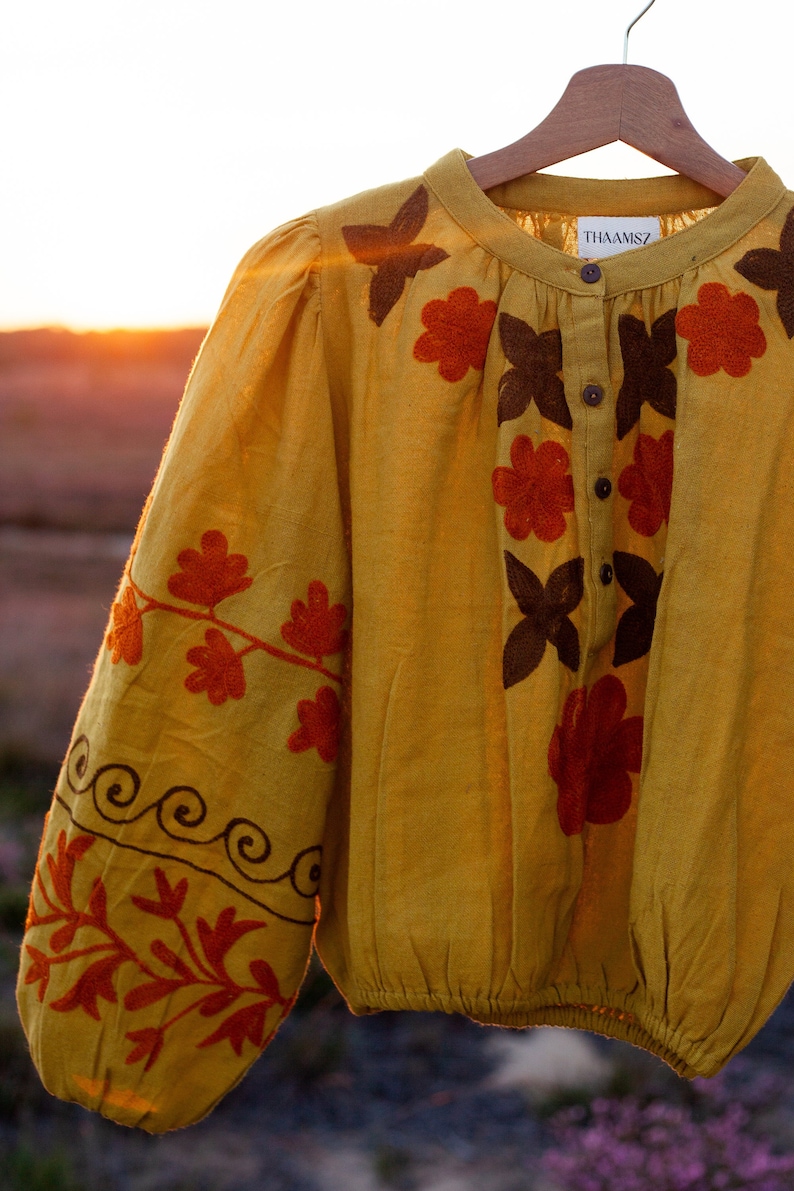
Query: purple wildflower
[627,1147]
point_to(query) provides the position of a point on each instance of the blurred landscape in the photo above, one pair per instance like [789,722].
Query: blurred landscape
[411,1101]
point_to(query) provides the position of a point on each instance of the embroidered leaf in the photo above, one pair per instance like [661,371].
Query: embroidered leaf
[171,960]
[171,900]
[63,937]
[524,584]
[218,1001]
[217,940]
[39,970]
[96,981]
[646,376]
[246,1024]
[537,360]
[98,902]
[213,575]
[390,251]
[773,269]
[149,1044]
[150,993]
[267,980]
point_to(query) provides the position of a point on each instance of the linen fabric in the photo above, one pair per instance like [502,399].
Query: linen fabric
[456,637]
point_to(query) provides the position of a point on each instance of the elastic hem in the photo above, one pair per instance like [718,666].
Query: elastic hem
[611,1014]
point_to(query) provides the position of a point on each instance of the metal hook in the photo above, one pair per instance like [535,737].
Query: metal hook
[629,29]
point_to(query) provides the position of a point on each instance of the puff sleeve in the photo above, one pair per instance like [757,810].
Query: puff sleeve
[172,909]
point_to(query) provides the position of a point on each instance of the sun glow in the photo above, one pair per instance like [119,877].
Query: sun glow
[151,145]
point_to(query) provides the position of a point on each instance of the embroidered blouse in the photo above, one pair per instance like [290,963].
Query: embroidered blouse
[456,636]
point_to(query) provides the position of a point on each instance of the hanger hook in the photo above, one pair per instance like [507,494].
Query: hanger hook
[629,29]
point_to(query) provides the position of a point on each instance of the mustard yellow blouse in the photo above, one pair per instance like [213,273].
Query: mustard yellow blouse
[457,635]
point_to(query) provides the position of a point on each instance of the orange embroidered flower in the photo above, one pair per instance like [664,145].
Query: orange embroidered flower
[591,754]
[126,636]
[316,629]
[211,576]
[458,330]
[722,330]
[536,490]
[648,482]
[319,724]
[220,671]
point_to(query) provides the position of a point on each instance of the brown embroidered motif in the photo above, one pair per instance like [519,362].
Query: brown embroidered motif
[723,331]
[389,249]
[591,754]
[537,491]
[646,376]
[771,268]
[537,360]
[115,793]
[641,584]
[200,968]
[545,617]
[458,330]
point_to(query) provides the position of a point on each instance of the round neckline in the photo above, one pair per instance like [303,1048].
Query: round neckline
[479,215]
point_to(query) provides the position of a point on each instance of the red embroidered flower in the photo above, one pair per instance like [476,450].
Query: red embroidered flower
[211,576]
[126,636]
[220,671]
[722,330]
[648,482]
[536,490]
[319,724]
[458,330]
[316,629]
[591,754]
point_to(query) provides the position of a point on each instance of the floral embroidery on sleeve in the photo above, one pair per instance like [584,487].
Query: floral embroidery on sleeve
[723,331]
[206,578]
[190,976]
[537,491]
[648,482]
[773,269]
[391,252]
[546,617]
[591,754]
[458,330]
[646,375]
[319,724]
[641,584]
[537,361]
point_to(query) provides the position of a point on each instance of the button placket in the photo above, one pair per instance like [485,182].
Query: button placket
[592,404]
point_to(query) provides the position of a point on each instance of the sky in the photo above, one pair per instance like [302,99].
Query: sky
[146,146]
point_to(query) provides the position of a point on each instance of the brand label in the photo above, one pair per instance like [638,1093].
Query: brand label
[605,235]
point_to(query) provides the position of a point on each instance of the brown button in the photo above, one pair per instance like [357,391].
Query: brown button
[605,573]
[590,273]
[593,394]
[603,487]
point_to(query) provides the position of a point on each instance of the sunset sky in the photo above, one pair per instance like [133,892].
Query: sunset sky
[147,145]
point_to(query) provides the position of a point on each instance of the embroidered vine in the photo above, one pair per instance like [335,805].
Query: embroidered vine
[206,578]
[201,966]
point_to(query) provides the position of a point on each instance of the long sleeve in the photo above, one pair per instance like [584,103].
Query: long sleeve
[173,905]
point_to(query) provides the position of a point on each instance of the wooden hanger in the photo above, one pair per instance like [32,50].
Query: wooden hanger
[602,104]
